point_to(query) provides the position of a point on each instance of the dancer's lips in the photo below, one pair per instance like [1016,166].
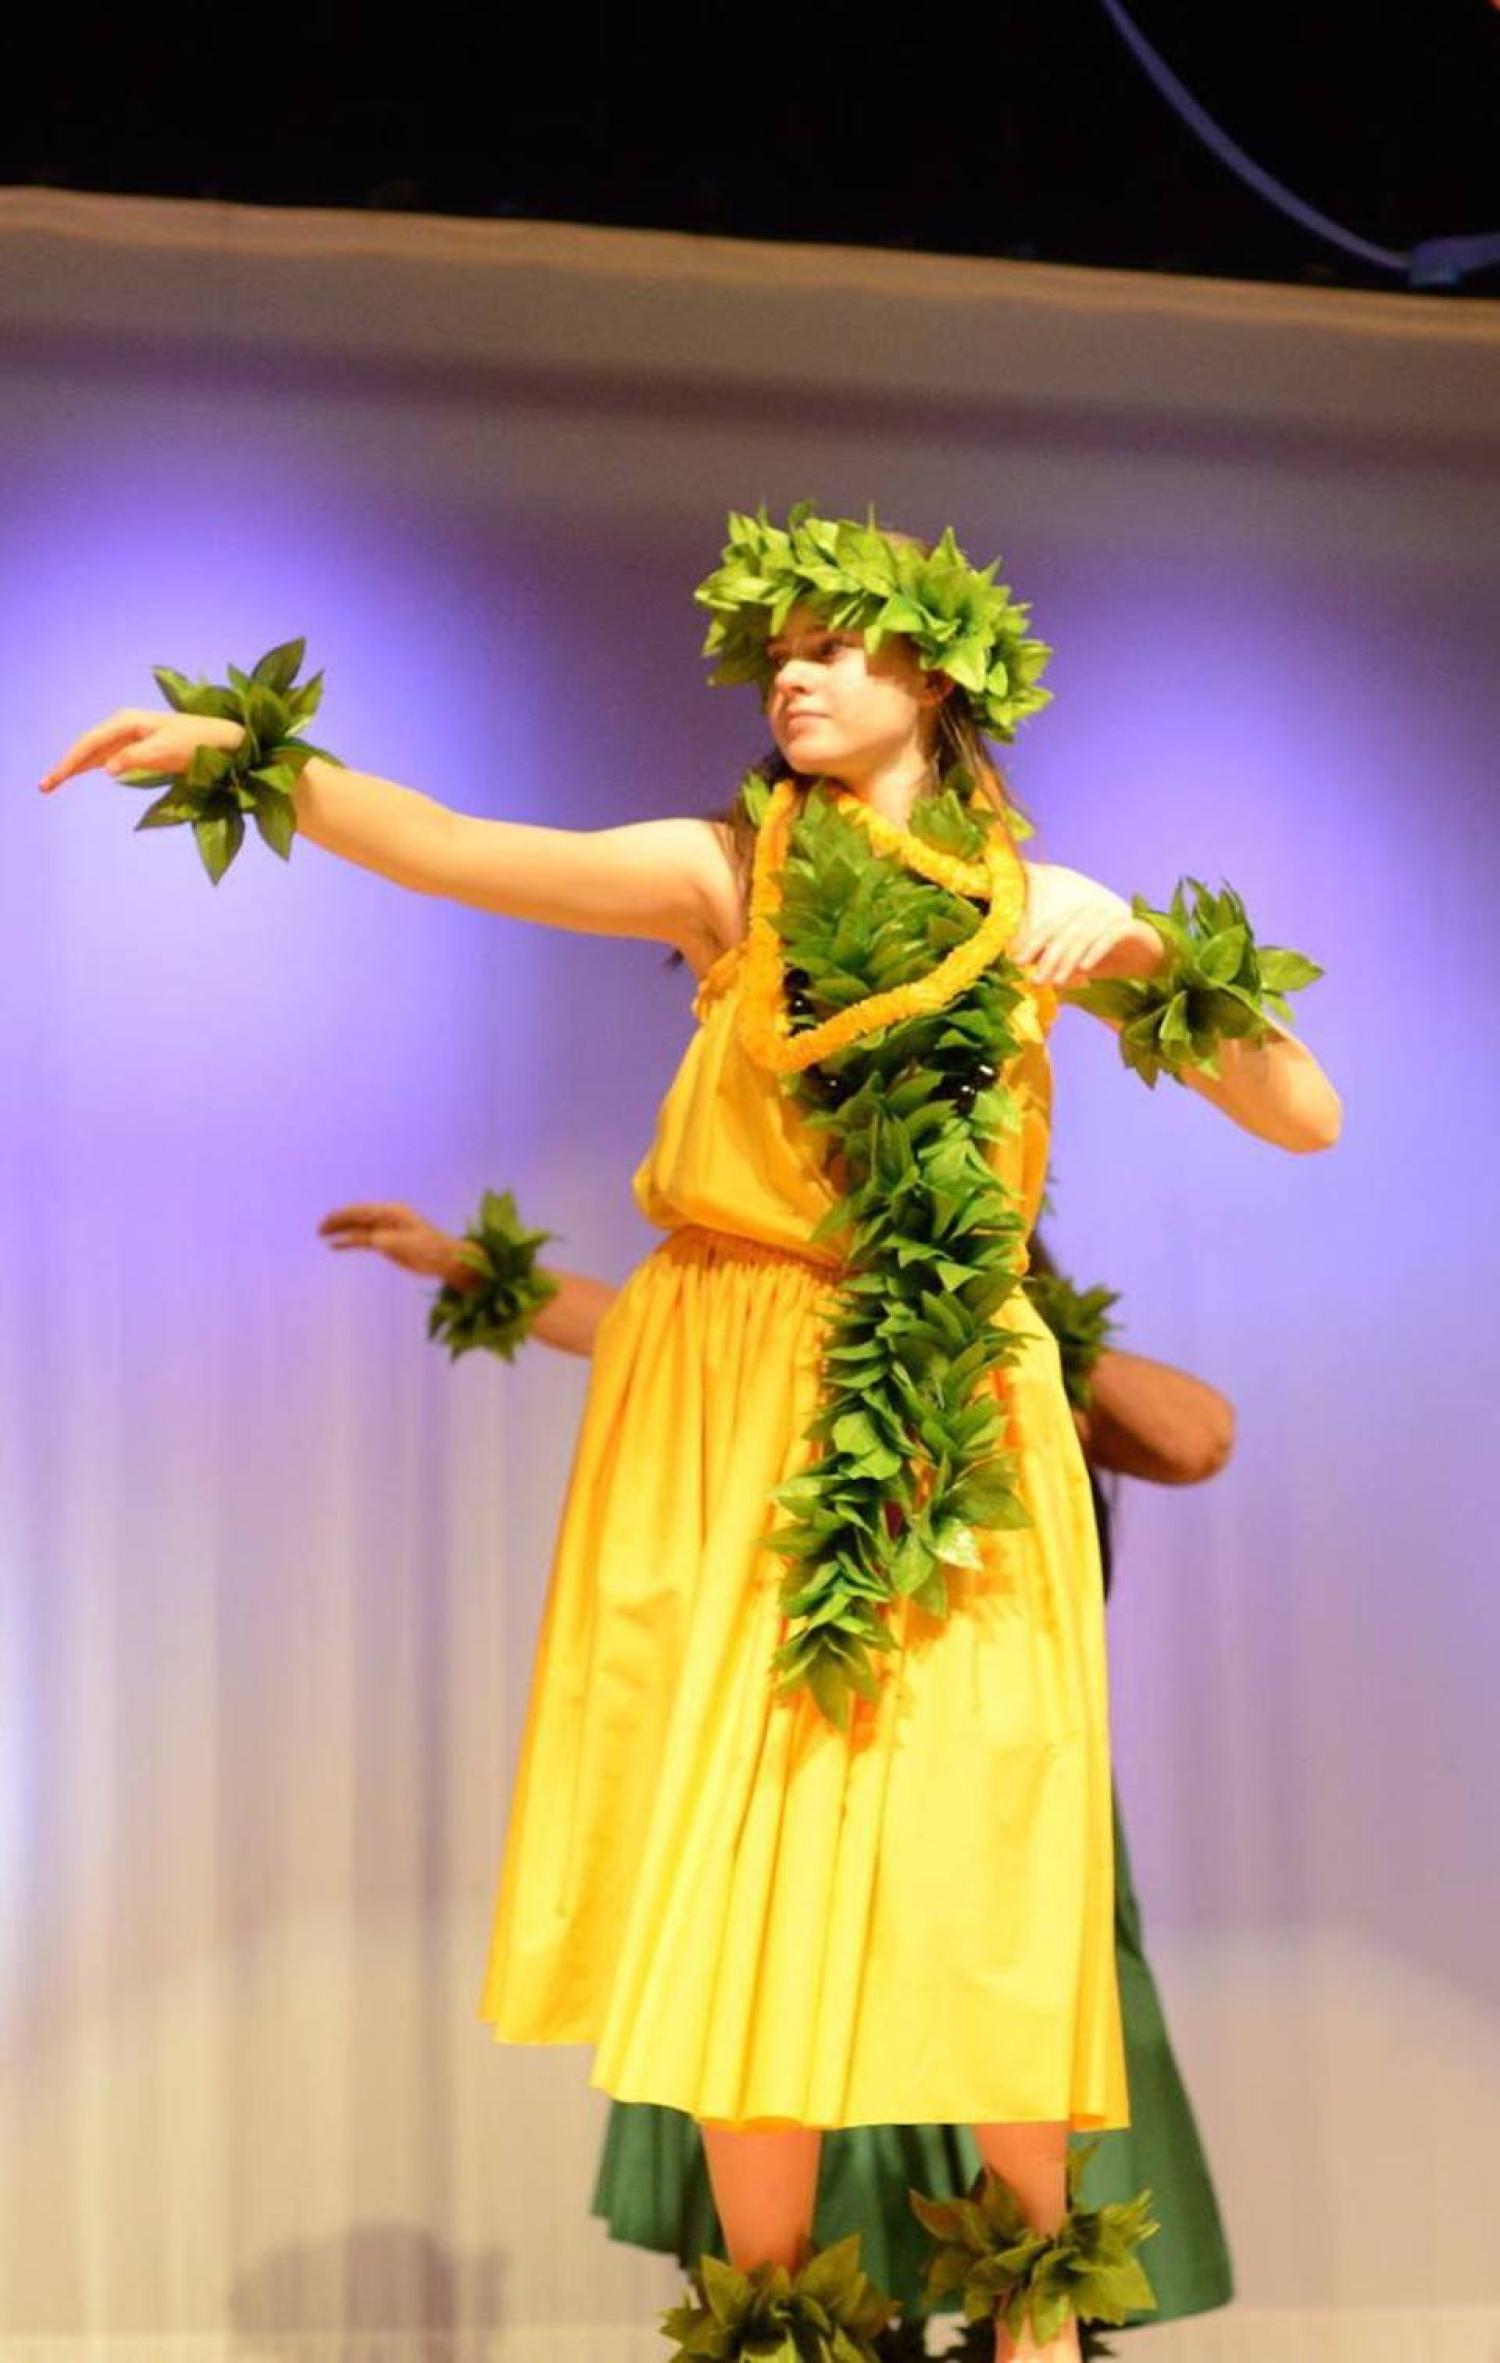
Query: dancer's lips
[804,714]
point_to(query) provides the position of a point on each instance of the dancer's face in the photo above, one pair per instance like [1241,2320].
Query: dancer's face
[837,712]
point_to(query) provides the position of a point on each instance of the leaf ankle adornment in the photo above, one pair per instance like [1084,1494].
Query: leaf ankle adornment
[828,2311]
[1004,2268]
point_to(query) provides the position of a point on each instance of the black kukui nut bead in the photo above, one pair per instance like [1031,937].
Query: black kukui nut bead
[984,1071]
[795,979]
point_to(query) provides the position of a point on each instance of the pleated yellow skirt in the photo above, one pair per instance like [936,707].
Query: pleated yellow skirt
[752,1916]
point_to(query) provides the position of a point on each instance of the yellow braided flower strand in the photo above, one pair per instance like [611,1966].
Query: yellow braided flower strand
[929,861]
[765,1026]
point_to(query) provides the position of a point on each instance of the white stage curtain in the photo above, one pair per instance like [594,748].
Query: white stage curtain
[272,1568]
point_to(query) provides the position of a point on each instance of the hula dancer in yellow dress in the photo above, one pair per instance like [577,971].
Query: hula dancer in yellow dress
[812,1826]
[1135,1417]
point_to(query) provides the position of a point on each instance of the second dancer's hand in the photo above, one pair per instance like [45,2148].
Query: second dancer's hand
[404,1237]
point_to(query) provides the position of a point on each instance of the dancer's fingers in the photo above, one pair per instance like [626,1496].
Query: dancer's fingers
[1095,948]
[1058,953]
[93,745]
[141,754]
[380,1240]
[364,1214]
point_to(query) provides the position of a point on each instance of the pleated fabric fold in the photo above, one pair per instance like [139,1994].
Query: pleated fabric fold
[652,2187]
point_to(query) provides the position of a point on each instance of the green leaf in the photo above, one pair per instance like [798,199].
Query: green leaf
[169,810]
[266,716]
[277,823]
[956,1544]
[219,836]
[207,765]
[726,2290]
[1287,972]
[175,687]
[1219,959]
[278,668]
[285,747]
[832,2274]
[825,1679]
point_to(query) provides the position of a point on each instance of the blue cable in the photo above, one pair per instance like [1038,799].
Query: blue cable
[1433,262]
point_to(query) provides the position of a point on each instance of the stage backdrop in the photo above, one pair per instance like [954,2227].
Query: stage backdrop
[273,1569]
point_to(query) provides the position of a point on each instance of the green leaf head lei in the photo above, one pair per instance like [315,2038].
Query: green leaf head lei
[959,620]
[259,776]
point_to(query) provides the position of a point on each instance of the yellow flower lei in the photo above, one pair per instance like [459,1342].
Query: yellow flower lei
[765,1025]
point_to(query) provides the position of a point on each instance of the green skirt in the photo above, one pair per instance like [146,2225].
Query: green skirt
[653,2188]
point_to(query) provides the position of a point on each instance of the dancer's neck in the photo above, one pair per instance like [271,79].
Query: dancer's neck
[891,789]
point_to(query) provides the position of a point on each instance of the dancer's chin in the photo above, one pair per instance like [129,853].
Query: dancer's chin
[807,748]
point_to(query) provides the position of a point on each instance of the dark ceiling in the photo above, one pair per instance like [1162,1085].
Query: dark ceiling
[1026,130]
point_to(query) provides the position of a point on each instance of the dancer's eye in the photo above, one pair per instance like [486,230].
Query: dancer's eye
[822,650]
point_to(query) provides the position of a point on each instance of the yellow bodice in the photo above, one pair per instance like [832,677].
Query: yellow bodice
[732,1151]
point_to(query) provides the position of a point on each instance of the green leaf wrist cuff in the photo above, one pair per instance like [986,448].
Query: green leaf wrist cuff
[259,776]
[1217,985]
[498,1314]
[1078,1319]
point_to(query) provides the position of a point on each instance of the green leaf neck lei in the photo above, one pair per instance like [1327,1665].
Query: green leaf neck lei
[911,1462]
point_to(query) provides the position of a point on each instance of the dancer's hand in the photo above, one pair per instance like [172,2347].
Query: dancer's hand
[402,1235]
[143,738]
[1075,929]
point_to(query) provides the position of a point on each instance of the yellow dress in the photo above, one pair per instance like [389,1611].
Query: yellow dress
[753,1916]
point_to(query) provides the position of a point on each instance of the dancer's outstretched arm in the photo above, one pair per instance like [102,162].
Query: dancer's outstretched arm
[663,879]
